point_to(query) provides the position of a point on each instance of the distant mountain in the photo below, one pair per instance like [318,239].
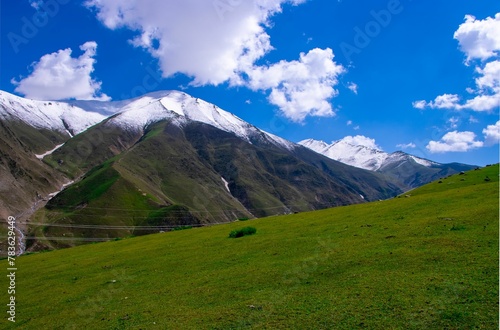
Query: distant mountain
[161,160]
[410,170]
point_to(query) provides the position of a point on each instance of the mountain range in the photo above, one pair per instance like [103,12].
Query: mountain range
[90,170]
[410,170]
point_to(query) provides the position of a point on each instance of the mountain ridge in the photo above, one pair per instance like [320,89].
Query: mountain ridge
[413,171]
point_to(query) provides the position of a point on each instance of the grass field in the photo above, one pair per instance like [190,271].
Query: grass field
[428,260]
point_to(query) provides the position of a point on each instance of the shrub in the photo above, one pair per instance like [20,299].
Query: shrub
[242,232]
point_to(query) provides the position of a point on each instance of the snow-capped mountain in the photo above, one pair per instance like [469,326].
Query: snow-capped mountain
[411,170]
[362,156]
[52,115]
[182,108]
[75,117]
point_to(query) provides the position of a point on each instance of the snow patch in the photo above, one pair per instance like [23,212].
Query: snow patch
[424,162]
[49,152]
[61,189]
[226,184]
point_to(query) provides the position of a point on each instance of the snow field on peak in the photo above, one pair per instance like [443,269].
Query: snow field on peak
[362,156]
[47,114]
[73,117]
[182,108]
[424,162]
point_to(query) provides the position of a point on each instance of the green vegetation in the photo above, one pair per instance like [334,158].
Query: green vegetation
[93,186]
[428,261]
[242,232]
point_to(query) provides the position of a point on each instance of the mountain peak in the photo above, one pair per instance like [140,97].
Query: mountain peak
[354,151]
[55,115]
[362,152]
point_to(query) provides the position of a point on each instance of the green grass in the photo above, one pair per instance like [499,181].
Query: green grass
[428,261]
[93,186]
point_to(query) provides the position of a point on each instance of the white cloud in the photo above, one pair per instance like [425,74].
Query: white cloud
[353,87]
[479,39]
[420,104]
[59,76]
[445,101]
[456,142]
[473,120]
[360,140]
[300,88]
[453,121]
[488,85]
[220,41]
[349,123]
[211,41]
[410,145]
[492,134]
[490,75]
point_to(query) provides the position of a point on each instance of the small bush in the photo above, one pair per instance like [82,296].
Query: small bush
[242,232]
[243,219]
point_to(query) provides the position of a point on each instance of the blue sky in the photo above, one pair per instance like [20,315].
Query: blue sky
[420,76]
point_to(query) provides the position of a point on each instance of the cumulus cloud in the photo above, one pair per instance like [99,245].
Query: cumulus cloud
[58,76]
[220,41]
[360,140]
[479,40]
[455,142]
[300,88]
[492,134]
[445,101]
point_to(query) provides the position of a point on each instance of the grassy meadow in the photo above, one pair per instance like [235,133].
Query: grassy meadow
[426,260]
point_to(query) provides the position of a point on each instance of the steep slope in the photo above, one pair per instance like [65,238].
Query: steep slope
[29,131]
[25,179]
[409,170]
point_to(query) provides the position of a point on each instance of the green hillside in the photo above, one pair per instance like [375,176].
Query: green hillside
[192,175]
[425,260]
